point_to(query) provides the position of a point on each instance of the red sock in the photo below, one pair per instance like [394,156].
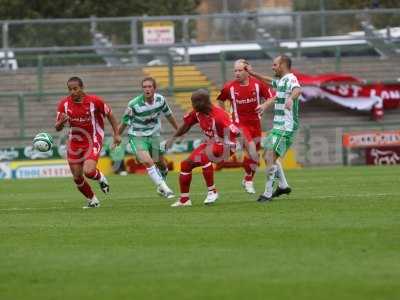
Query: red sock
[185,178]
[250,167]
[95,175]
[84,187]
[208,174]
[184,182]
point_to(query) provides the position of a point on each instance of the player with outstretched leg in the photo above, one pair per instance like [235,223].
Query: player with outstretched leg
[85,113]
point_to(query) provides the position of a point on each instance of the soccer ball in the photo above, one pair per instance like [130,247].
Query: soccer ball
[43,142]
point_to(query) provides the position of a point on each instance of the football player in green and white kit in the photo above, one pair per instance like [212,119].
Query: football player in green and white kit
[143,116]
[285,123]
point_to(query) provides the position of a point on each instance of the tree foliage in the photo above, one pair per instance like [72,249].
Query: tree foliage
[27,9]
[78,34]
[300,5]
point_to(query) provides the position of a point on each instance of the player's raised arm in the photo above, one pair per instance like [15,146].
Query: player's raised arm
[264,78]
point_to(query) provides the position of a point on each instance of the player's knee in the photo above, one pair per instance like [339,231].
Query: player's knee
[148,164]
[90,173]
[251,160]
[145,160]
[253,156]
[186,166]
[162,164]
[162,167]
[269,157]
[250,163]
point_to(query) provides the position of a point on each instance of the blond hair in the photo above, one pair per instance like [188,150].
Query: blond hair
[242,61]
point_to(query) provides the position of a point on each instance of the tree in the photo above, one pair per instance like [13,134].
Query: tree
[300,5]
[78,34]
[29,9]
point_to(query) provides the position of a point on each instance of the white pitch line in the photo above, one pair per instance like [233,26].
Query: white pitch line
[199,194]
[31,208]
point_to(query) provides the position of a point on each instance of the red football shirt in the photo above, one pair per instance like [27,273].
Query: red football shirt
[244,99]
[216,125]
[86,118]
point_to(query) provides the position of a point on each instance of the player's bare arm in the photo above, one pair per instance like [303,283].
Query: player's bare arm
[114,124]
[121,128]
[60,123]
[264,106]
[296,92]
[179,132]
[264,78]
[171,119]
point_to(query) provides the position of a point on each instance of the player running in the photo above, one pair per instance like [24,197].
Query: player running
[285,124]
[143,116]
[220,135]
[245,93]
[85,114]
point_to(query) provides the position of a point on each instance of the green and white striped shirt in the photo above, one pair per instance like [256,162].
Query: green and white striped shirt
[285,119]
[144,119]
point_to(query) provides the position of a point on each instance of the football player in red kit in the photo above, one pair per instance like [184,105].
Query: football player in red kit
[220,142]
[245,93]
[85,114]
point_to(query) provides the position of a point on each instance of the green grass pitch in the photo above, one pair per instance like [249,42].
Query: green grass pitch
[337,236]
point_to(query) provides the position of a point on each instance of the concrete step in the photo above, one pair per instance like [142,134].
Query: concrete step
[175,68]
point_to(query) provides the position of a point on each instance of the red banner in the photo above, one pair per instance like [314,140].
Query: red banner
[349,91]
[389,93]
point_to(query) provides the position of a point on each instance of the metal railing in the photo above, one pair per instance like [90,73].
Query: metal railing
[126,33]
[40,63]
[21,98]
[20,118]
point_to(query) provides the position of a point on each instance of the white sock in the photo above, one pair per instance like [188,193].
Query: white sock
[102,177]
[281,175]
[155,175]
[94,199]
[211,188]
[164,187]
[269,185]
